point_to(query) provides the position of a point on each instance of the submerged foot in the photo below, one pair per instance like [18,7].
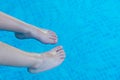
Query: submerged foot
[48,60]
[42,35]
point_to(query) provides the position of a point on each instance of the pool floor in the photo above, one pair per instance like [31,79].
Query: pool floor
[89,31]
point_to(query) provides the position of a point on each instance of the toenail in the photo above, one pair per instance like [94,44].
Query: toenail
[60,46]
[54,36]
[55,41]
[62,57]
[62,52]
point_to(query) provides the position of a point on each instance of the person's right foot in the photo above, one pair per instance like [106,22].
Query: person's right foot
[48,60]
[42,35]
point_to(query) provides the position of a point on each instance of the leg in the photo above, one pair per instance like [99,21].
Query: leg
[24,30]
[11,56]
[35,63]
[12,24]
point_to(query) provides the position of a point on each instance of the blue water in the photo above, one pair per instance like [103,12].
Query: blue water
[89,31]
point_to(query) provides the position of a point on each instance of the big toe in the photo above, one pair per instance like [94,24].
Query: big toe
[58,48]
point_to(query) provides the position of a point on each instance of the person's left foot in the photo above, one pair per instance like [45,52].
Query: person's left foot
[42,35]
[47,60]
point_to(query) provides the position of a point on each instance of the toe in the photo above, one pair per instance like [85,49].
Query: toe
[52,40]
[61,53]
[52,33]
[57,48]
[54,36]
[62,58]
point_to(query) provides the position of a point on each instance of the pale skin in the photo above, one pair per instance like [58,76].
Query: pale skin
[35,62]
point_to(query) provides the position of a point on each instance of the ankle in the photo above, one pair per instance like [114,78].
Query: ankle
[27,29]
[36,64]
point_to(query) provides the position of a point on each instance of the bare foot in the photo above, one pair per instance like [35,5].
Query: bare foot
[42,35]
[48,60]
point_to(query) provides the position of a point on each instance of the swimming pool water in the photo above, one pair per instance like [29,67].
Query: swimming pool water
[89,31]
